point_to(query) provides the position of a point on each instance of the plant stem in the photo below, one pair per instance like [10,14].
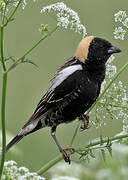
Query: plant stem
[2,47]
[4,87]
[27,52]
[100,97]
[10,17]
[49,165]
[114,105]
[74,135]
[80,148]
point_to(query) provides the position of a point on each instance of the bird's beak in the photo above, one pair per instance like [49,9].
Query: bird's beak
[113,49]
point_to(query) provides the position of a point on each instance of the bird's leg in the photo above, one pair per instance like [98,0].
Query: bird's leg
[85,119]
[63,151]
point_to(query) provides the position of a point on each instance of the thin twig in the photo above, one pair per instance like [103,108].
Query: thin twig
[35,45]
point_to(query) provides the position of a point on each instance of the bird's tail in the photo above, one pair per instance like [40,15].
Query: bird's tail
[27,129]
[15,140]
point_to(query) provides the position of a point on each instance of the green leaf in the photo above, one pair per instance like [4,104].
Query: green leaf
[101,140]
[91,153]
[103,154]
[109,148]
[23,60]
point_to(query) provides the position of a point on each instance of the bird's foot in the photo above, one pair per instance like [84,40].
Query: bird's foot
[85,119]
[65,155]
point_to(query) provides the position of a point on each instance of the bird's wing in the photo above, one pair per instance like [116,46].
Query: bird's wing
[60,86]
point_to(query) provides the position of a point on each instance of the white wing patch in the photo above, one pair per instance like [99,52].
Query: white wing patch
[62,75]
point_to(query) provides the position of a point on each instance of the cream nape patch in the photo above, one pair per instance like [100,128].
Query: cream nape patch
[83,47]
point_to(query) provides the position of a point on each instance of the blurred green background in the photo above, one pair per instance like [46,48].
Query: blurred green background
[26,84]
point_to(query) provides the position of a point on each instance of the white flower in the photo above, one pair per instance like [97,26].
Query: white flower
[3,8]
[120,16]
[12,171]
[119,33]
[66,17]
[125,22]
[12,3]
[63,21]
[10,163]
[114,101]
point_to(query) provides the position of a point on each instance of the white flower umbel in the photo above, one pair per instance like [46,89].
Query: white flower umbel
[3,8]
[114,103]
[24,3]
[120,16]
[119,33]
[63,171]
[125,22]
[13,172]
[66,17]
[9,3]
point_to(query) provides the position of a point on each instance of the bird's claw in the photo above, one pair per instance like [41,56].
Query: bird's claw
[85,119]
[65,155]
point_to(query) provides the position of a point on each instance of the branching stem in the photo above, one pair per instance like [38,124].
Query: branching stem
[85,148]
[33,47]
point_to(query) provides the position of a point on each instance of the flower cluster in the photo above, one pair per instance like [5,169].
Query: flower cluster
[4,5]
[122,18]
[115,100]
[66,17]
[63,171]
[12,172]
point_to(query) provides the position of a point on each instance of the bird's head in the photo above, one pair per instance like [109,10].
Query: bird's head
[95,49]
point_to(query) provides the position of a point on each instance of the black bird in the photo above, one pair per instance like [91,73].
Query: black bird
[73,89]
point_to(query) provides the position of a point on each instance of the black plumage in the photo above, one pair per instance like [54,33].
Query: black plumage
[72,91]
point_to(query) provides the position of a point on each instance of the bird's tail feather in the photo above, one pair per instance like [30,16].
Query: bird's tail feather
[27,129]
[15,140]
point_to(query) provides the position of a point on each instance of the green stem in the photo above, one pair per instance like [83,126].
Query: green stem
[4,87]
[20,59]
[77,149]
[10,17]
[49,165]
[75,133]
[100,97]
[2,47]
[114,105]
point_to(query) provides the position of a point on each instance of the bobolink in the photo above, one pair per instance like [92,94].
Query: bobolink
[74,88]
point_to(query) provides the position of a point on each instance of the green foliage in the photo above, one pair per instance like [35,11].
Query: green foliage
[114,167]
